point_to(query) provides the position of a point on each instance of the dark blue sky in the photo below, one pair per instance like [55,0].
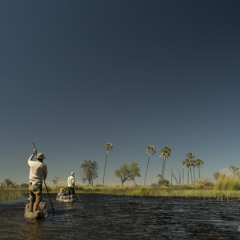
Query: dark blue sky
[77,74]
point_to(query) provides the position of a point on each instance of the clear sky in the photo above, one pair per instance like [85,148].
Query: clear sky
[77,74]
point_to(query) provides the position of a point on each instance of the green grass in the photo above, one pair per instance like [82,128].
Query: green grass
[175,191]
[223,189]
[8,194]
[225,183]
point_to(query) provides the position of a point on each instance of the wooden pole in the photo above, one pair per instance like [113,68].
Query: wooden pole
[49,197]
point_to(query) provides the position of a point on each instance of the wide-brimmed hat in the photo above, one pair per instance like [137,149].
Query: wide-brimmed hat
[40,156]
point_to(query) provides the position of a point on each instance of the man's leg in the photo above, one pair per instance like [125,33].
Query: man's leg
[38,193]
[32,199]
[36,205]
[72,193]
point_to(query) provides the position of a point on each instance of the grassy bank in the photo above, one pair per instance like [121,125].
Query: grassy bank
[8,194]
[175,191]
[224,188]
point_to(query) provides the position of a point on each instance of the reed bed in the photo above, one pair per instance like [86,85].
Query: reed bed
[224,188]
[226,183]
[175,191]
[9,194]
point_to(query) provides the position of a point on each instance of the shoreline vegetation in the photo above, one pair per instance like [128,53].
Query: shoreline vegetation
[10,194]
[224,189]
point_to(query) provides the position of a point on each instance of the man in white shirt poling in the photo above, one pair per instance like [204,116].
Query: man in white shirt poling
[71,185]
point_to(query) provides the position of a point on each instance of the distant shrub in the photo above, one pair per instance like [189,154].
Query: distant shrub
[204,182]
[163,182]
[154,185]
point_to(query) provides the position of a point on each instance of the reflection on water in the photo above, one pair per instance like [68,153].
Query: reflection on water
[32,229]
[119,217]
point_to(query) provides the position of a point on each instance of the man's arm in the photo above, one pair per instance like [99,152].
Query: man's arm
[32,155]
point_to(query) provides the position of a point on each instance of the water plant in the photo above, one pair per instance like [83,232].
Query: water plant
[8,194]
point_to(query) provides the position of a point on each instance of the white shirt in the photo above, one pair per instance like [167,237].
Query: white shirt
[38,171]
[71,181]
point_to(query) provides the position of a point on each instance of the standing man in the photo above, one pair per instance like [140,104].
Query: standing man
[71,186]
[38,173]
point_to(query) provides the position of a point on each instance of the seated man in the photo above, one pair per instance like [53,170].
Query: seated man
[61,193]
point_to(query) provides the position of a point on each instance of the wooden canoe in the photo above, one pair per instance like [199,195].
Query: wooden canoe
[42,213]
[64,199]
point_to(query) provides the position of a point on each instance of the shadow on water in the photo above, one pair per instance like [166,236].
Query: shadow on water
[98,216]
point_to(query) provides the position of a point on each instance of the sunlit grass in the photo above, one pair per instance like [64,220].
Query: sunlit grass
[224,188]
[8,194]
[174,191]
[227,183]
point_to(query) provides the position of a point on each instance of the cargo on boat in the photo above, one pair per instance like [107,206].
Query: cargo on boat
[64,199]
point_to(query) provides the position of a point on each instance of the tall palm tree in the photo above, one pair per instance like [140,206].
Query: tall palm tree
[199,162]
[194,165]
[188,165]
[150,150]
[165,154]
[190,157]
[108,147]
[183,165]
[234,169]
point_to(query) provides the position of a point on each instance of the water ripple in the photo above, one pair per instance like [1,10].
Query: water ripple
[120,217]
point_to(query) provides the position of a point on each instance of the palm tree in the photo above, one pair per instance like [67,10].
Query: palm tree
[165,154]
[150,150]
[194,165]
[190,157]
[234,169]
[199,162]
[183,165]
[188,165]
[108,146]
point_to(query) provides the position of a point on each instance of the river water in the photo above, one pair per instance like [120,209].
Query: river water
[119,217]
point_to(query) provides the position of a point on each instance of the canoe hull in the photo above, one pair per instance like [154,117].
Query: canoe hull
[41,213]
[64,199]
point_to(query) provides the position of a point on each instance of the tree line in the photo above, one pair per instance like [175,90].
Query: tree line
[130,172]
[8,183]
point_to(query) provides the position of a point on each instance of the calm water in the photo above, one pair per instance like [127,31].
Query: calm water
[120,217]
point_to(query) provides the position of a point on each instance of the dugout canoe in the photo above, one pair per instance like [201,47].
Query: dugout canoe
[41,213]
[64,199]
